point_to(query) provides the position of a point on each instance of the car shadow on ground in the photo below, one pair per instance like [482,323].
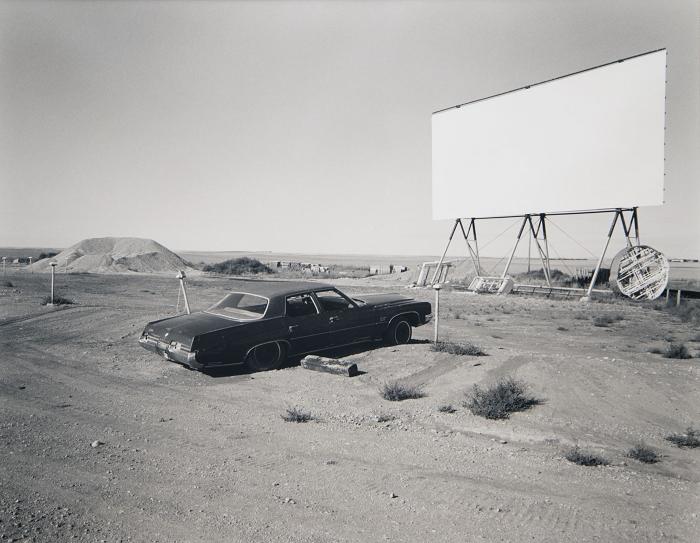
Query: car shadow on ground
[340,352]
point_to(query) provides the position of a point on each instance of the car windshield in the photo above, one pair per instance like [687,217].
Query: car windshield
[240,306]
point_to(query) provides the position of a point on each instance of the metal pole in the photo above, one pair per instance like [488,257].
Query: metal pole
[512,253]
[678,297]
[602,255]
[3,265]
[442,258]
[181,276]
[437,311]
[30,264]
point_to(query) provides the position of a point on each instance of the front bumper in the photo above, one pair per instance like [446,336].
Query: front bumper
[170,352]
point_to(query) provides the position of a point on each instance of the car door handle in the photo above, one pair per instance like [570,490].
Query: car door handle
[333,319]
[293,327]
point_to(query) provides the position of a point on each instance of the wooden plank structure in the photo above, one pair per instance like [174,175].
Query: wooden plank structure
[330,365]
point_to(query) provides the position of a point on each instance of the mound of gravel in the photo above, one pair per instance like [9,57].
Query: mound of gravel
[114,255]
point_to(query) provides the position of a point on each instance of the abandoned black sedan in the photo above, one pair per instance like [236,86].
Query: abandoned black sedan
[267,321]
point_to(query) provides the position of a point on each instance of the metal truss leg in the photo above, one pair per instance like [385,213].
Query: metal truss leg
[512,253]
[618,213]
[473,251]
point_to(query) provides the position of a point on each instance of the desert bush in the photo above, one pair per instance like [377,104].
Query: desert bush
[296,414]
[385,417]
[446,408]
[690,440]
[688,311]
[46,255]
[643,453]
[677,350]
[7,284]
[238,266]
[57,300]
[500,400]
[583,458]
[396,392]
[562,328]
[462,349]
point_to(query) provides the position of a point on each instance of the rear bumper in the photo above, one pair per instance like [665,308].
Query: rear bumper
[171,353]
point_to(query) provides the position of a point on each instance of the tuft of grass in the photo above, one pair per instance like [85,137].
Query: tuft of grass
[500,400]
[677,350]
[461,349]
[57,300]
[583,458]
[604,321]
[397,392]
[7,284]
[689,440]
[385,417]
[296,414]
[562,328]
[446,408]
[644,454]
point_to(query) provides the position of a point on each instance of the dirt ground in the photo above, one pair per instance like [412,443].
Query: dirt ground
[187,456]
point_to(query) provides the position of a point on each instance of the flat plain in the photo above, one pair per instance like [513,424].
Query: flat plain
[186,456]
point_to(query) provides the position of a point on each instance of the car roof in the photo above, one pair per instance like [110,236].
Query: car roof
[272,289]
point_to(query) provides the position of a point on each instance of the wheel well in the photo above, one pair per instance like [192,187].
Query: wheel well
[284,344]
[412,317]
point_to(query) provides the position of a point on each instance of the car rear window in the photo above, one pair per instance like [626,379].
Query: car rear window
[240,306]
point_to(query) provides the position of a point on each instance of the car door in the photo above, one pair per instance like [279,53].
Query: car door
[347,322]
[307,328]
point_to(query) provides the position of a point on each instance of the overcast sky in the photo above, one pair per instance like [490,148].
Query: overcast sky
[298,126]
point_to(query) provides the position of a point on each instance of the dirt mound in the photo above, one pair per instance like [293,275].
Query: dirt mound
[114,255]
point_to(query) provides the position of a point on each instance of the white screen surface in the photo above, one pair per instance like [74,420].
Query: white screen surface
[592,140]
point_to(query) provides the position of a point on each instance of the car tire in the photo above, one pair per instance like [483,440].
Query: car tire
[267,356]
[399,333]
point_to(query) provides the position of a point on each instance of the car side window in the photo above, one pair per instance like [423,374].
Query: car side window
[330,300]
[301,305]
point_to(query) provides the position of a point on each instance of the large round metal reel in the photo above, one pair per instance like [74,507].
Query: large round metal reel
[639,272]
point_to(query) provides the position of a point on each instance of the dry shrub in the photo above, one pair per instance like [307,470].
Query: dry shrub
[500,400]
[584,458]
[397,392]
[677,350]
[644,454]
[690,440]
[57,300]
[461,349]
[296,414]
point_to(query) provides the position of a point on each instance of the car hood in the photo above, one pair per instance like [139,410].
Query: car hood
[379,300]
[184,328]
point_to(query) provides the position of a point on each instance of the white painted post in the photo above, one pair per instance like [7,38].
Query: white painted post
[437,287]
[181,276]
[4,258]
[678,297]
[30,264]
[53,268]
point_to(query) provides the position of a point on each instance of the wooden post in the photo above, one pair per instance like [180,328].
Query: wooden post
[330,365]
[442,258]
[53,268]
[437,311]
[678,297]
